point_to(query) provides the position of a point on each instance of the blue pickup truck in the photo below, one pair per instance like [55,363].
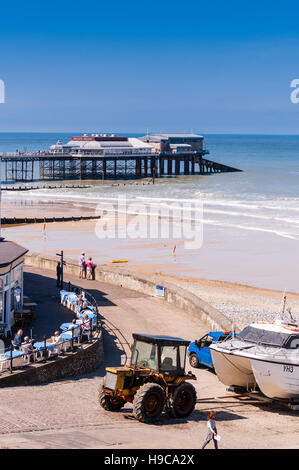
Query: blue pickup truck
[199,352]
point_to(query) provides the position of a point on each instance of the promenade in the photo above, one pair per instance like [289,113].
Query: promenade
[66,414]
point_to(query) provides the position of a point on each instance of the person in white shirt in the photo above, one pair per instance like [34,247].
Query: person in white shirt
[82,266]
[74,326]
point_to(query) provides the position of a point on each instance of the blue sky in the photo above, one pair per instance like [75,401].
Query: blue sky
[218,67]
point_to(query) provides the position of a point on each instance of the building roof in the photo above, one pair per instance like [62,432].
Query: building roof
[158,137]
[10,252]
[102,144]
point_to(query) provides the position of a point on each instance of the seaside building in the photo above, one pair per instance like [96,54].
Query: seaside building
[175,143]
[102,144]
[11,283]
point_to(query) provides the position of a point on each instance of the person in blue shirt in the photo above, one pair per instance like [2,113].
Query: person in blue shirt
[18,340]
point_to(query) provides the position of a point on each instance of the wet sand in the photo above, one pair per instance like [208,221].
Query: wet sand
[221,271]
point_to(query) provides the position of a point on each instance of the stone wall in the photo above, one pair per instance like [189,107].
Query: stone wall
[179,297]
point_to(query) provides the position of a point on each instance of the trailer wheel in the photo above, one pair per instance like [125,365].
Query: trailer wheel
[149,403]
[110,403]
[183,400]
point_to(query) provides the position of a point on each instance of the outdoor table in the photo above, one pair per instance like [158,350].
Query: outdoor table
[40,347]
[65,326]
[67,335]
[14,354]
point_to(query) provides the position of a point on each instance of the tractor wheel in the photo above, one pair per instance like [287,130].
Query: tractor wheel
[193,360]
[149,403]
[183,400]
[110,403]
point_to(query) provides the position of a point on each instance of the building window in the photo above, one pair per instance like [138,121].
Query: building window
[16,297]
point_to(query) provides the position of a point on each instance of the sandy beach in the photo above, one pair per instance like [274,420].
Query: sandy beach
[255,295]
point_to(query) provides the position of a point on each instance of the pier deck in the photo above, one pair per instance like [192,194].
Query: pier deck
[49,166]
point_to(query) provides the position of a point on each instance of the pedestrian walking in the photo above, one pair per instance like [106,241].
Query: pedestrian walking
[211,431]
[58,274]
[82,266]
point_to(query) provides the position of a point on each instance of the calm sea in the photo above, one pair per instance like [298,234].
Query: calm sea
[264,197]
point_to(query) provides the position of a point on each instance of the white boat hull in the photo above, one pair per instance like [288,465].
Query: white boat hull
[233,370]
[276,380]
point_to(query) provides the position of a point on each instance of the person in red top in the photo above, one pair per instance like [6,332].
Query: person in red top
[89,269]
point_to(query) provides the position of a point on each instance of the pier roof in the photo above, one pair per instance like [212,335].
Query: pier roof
[166,136]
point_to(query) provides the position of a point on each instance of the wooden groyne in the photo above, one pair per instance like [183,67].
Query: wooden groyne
[30,188]
[44,220]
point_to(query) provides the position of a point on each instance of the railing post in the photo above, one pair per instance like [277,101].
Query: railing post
[72,339]
[97,323]
[91,328]
[10,359]
[45,348]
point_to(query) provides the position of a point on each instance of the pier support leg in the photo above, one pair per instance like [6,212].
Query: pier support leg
[145,166]
[169,166]
[177,166]
[186,166]
[153,165]
[161,166]
[192,166]
[138,167]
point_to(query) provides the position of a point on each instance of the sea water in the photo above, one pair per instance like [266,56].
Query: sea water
[254,211]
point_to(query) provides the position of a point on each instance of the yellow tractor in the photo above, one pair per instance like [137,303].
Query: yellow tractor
[155,380]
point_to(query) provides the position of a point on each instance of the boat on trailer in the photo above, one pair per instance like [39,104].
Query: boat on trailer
[264,354]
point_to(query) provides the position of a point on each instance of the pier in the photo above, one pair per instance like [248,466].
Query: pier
[27,167]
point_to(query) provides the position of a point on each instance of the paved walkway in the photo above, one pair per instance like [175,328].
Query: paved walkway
[66,414]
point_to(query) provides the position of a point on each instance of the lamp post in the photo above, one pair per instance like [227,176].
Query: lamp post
[62,263]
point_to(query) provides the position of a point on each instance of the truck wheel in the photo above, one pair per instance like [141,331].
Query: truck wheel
[110,403]
[193,360]
[183,400]
[149,403]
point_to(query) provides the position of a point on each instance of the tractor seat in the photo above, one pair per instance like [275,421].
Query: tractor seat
[167,364]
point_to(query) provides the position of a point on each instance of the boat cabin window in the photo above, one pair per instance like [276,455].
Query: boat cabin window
[260,336]
[293,342]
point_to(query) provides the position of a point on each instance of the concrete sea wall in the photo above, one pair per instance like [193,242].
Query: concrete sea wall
[173,294]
